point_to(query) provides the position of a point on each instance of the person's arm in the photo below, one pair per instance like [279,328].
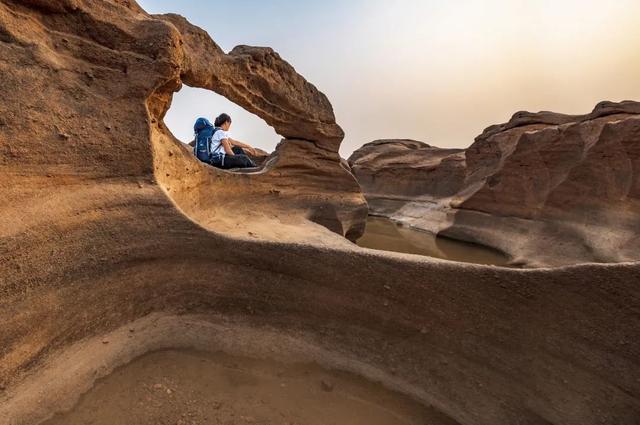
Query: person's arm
[226,145]
[244,146]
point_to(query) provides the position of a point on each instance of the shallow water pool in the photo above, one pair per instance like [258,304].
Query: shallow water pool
[386,235]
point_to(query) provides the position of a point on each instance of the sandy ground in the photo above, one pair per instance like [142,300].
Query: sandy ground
[187,370]
[191,387]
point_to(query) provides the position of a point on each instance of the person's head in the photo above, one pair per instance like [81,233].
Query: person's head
[223,121]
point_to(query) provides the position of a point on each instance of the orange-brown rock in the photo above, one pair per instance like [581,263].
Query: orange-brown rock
[260,81]
[408,169]
[107,224]
[546,188]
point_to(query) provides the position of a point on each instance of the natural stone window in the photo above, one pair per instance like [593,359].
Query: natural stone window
[190,103]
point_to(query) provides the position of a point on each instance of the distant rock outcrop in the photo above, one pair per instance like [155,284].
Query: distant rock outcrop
[406,169]
[547,189]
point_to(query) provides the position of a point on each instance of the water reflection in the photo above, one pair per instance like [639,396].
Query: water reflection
[383,234]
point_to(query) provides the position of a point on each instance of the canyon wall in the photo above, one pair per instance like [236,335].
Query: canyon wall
[547,189]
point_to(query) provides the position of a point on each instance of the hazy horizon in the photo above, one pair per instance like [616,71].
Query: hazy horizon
[427,70]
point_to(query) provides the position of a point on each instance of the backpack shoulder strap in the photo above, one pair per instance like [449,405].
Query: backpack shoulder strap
[215,130]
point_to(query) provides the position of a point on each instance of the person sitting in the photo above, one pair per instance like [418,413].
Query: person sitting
[226,152]
[215,146]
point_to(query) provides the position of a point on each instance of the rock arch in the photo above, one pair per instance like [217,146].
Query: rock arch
[304,173]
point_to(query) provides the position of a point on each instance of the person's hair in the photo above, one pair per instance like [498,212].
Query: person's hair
[222,118]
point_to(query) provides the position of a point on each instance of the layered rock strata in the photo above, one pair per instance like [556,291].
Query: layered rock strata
[547,189]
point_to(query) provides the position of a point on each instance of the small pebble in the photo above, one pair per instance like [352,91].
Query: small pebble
[326,386]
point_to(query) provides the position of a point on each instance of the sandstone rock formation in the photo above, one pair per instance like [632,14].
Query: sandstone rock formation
[259,80]
[108,224]
[407,169]
[545,188]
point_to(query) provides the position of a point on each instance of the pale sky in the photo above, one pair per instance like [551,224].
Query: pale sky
[439,71]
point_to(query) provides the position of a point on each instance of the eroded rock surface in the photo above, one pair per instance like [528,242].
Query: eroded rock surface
[407,169]
[546,188]
[260,81]
[108,224]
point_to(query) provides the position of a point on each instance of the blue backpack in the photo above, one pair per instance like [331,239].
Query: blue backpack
[204,132]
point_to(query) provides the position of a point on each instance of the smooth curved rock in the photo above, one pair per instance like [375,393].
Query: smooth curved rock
[408,169]
[547,189]
[107,222]
[310,181]
[257,79]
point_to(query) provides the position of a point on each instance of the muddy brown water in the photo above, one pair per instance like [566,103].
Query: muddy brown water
[178,387]
[384,234]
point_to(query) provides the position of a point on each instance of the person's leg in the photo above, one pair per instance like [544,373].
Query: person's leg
[237,161]
[216,162]
[238,150]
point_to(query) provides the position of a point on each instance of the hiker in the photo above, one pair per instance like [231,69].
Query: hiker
[214,146]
